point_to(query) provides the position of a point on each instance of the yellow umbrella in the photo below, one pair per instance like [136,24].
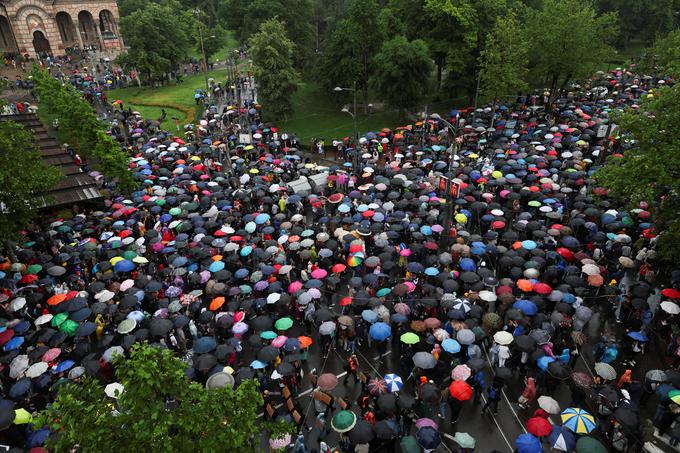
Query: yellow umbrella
[461,218]
[139,260]
[115,259]
[22,416]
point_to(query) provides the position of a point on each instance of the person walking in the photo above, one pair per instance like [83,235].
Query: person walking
[494,392]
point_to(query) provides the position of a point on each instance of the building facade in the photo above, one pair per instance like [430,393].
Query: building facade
[41,27]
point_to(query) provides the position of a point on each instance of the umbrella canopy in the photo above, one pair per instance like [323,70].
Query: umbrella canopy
[343,421]
[464,440]
[561,439]
[539,426]
[605,371]
[578,420]
[549,404]
[424,360]
[528,443]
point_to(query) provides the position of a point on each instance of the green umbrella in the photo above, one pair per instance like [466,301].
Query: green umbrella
[58,319]
[33,269]
[383,292]
[268,335]
[409,338]
[534,203]
[175,211]
[464,440]
[68,327]
[409,444]
[590,445]
[283,323]
[129,255]
[160,201]
[344,421]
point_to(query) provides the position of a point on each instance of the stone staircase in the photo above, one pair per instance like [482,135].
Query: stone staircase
[75,187]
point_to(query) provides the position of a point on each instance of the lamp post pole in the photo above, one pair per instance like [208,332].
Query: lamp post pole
[454,151]
[197,13]
[353,114]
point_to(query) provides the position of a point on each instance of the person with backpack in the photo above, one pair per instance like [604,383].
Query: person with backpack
[494,392]
[352,369]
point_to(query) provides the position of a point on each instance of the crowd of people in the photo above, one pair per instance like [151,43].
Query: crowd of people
[250,258]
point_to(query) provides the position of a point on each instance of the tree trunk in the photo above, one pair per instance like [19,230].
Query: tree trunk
[553,91]
[440,69]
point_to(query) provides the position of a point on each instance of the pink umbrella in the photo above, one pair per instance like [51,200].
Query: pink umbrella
[405,252]
[279,341]
[280,443]
[51,354]
[461,373]
[127,284]
[294,287]
[319,273]
[315,293]
[437,228]
[426,423]
[411,286]
[157,247]
[402,308]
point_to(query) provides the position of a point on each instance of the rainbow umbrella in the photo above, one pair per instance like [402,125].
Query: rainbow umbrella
[578,420]
[354,261]
[674,395]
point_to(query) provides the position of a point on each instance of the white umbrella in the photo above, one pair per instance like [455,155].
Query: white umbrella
[18,365]
[43,319]
[488,296]
[37,369]
[549,405]
[605,371]
[670,307]
[503,338]
[590,269]
[114,390]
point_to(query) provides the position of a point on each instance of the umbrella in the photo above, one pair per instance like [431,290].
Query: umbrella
[578,420]
[283,323]
[465,336]
[451,346]
[588,444]
[386,429]
[394,382]
[627,417]
[549,404]
[605,371]
[424,360]
[460,390]
[670,307]
[539,426]
[428,438]
[528,443]
[503,338]
[409,338]
[377,386]
[344,421]
[461,373]
[380,331]
[387,402]
[362,433]
[327,328]
[558,370]
[327,381]
[464,440]
[656,376]
[409,444]
[582,379]
[561,439]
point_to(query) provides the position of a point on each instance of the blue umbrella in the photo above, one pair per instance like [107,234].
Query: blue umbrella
[528,443]
[639,336]
[451,346]
[428,438]
[380,331]
[20,388]
[63,366]
[369,316]
[124,266]
[241,273]
[262,218]
[562,439]
[528,245]
[247,250]
[544,361]
[85,329]
[14,343]
[432,271]
[257,365]
[467,265]
[179,261]
[37,438]
[398,318]
[204,345]
[216,266]
[526,306]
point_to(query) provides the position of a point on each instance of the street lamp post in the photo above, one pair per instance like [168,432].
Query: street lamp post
[197,13]
[354,121]
[454,151]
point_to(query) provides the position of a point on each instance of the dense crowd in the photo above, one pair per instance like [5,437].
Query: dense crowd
[246,256]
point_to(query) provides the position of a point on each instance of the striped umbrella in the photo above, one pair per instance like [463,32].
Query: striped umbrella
[578,420]
[394,382]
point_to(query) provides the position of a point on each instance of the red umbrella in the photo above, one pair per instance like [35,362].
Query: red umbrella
[5,336]
[29,278]
[337,268]
[565,253]
[671,292]
[539,426]
[542,288]
[345,301]
[327,381]
[460,390]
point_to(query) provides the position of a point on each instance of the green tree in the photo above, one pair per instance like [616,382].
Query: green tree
[572,45]
[641,20]
[23,176]
[158,37]
[213,40]
[650,168]
[504,59]
[272,55]
[402,72]
[160,409]
[80,127]
[352,46]
[664,56]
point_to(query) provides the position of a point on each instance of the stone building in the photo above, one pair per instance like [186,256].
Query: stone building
[40,27]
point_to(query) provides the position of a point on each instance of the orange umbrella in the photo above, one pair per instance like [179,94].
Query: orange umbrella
[595,280]
[56,299]
[524,285]
[216,303]
[305,342]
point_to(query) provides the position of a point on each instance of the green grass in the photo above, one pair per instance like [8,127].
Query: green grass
[153,113]
[175,96]
[230,44]
[316,114]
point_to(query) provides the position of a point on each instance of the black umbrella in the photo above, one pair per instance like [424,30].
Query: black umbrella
[627,417]
[85,329]
[525,343]
[406,401]
[429,393]
[559,370]
[159,327]
[267,354]
[362,433]
[386,429]
[387,402]
[285,369]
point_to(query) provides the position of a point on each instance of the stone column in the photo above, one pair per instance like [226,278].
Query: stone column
[76,24]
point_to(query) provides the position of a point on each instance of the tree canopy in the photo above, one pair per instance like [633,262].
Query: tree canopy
[81,127]
[158,37]
[402,72]
[272,55]
[159,409]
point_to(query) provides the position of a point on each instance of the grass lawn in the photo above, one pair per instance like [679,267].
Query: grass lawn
[317,114]
[154,113]
[179,97]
